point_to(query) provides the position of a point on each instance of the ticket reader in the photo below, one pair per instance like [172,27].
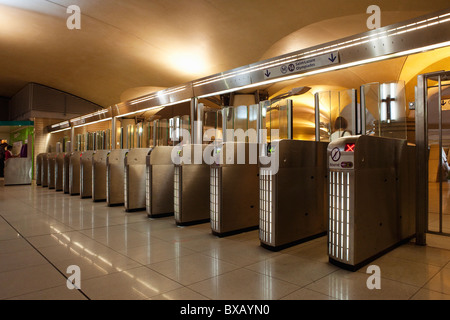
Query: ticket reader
[370,198]
[99,175]
[234,192]
[292,186]
[44,170]
[59,171]
[74,173]
[135,178]
[66,170]
[51,164]
[159,182]
[191,186]
[86,174]
[115,167]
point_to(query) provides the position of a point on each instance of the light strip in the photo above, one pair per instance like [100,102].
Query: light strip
[158,94]
[333,68]
[65,129]
[93,122]
[151,108]
[334,47]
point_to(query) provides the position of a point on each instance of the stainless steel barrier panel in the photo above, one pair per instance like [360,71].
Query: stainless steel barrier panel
[234,196]
[66,170]
[39,169]
[17,171]
[115,177]
[159,182]
[74,173]
[59,171]
[134,179]
[44,170]
[292,193]
[99,175]
[51,164]
[86,174]
[191,188]
[370,198]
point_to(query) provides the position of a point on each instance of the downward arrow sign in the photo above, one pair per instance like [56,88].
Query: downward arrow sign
[332,58]
[267,74]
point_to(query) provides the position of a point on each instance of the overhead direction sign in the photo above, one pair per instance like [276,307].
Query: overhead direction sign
[302,65]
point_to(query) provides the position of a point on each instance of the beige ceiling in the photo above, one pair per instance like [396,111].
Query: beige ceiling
[128,48]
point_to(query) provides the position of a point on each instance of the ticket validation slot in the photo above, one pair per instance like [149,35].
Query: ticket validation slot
[371,207]
[115,168]
[293,193]
[51,165]
[86,174]
[59,171]
[135,178]
[234,192]
[74,173]
[159,182]
[99,175]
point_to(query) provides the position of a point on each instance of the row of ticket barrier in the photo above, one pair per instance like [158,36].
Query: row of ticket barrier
[358,190]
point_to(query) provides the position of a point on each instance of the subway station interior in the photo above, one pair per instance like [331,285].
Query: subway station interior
[224,150]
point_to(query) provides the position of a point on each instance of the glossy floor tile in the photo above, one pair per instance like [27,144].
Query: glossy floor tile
[128,256]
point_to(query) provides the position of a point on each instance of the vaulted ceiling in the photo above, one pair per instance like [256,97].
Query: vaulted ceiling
[128,48]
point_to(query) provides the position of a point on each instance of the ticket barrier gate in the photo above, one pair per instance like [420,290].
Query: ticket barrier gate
[371,190]
[135,179]
[51,167]
[234,192]
[59,171]
[74,173]
[44,170]
[86,174]
[292,187]
[115,168]
[99,175]
[65,176]
[39,169]
[191,187]
[160,182]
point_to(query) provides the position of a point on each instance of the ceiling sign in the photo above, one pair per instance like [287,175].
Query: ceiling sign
[302,65]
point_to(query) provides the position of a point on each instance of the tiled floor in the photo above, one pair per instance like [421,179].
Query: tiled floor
[129,256]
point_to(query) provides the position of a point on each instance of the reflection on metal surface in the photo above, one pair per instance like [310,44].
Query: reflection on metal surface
[17,171]
[134,179]
[99,175]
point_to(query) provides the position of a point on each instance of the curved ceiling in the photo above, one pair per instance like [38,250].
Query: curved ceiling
[127,48]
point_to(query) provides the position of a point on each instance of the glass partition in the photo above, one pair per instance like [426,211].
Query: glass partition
[384,108]
[337,116]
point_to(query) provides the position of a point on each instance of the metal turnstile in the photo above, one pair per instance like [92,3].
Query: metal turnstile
[234,196]
[99,175]
[134,179]
[59,171]
[86,174]
[115,177]
[371,198]
[65,175]
[159,182]
[39,169]
[74,173]
[51,167]
[191,188]
[44,170]
[292,193]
